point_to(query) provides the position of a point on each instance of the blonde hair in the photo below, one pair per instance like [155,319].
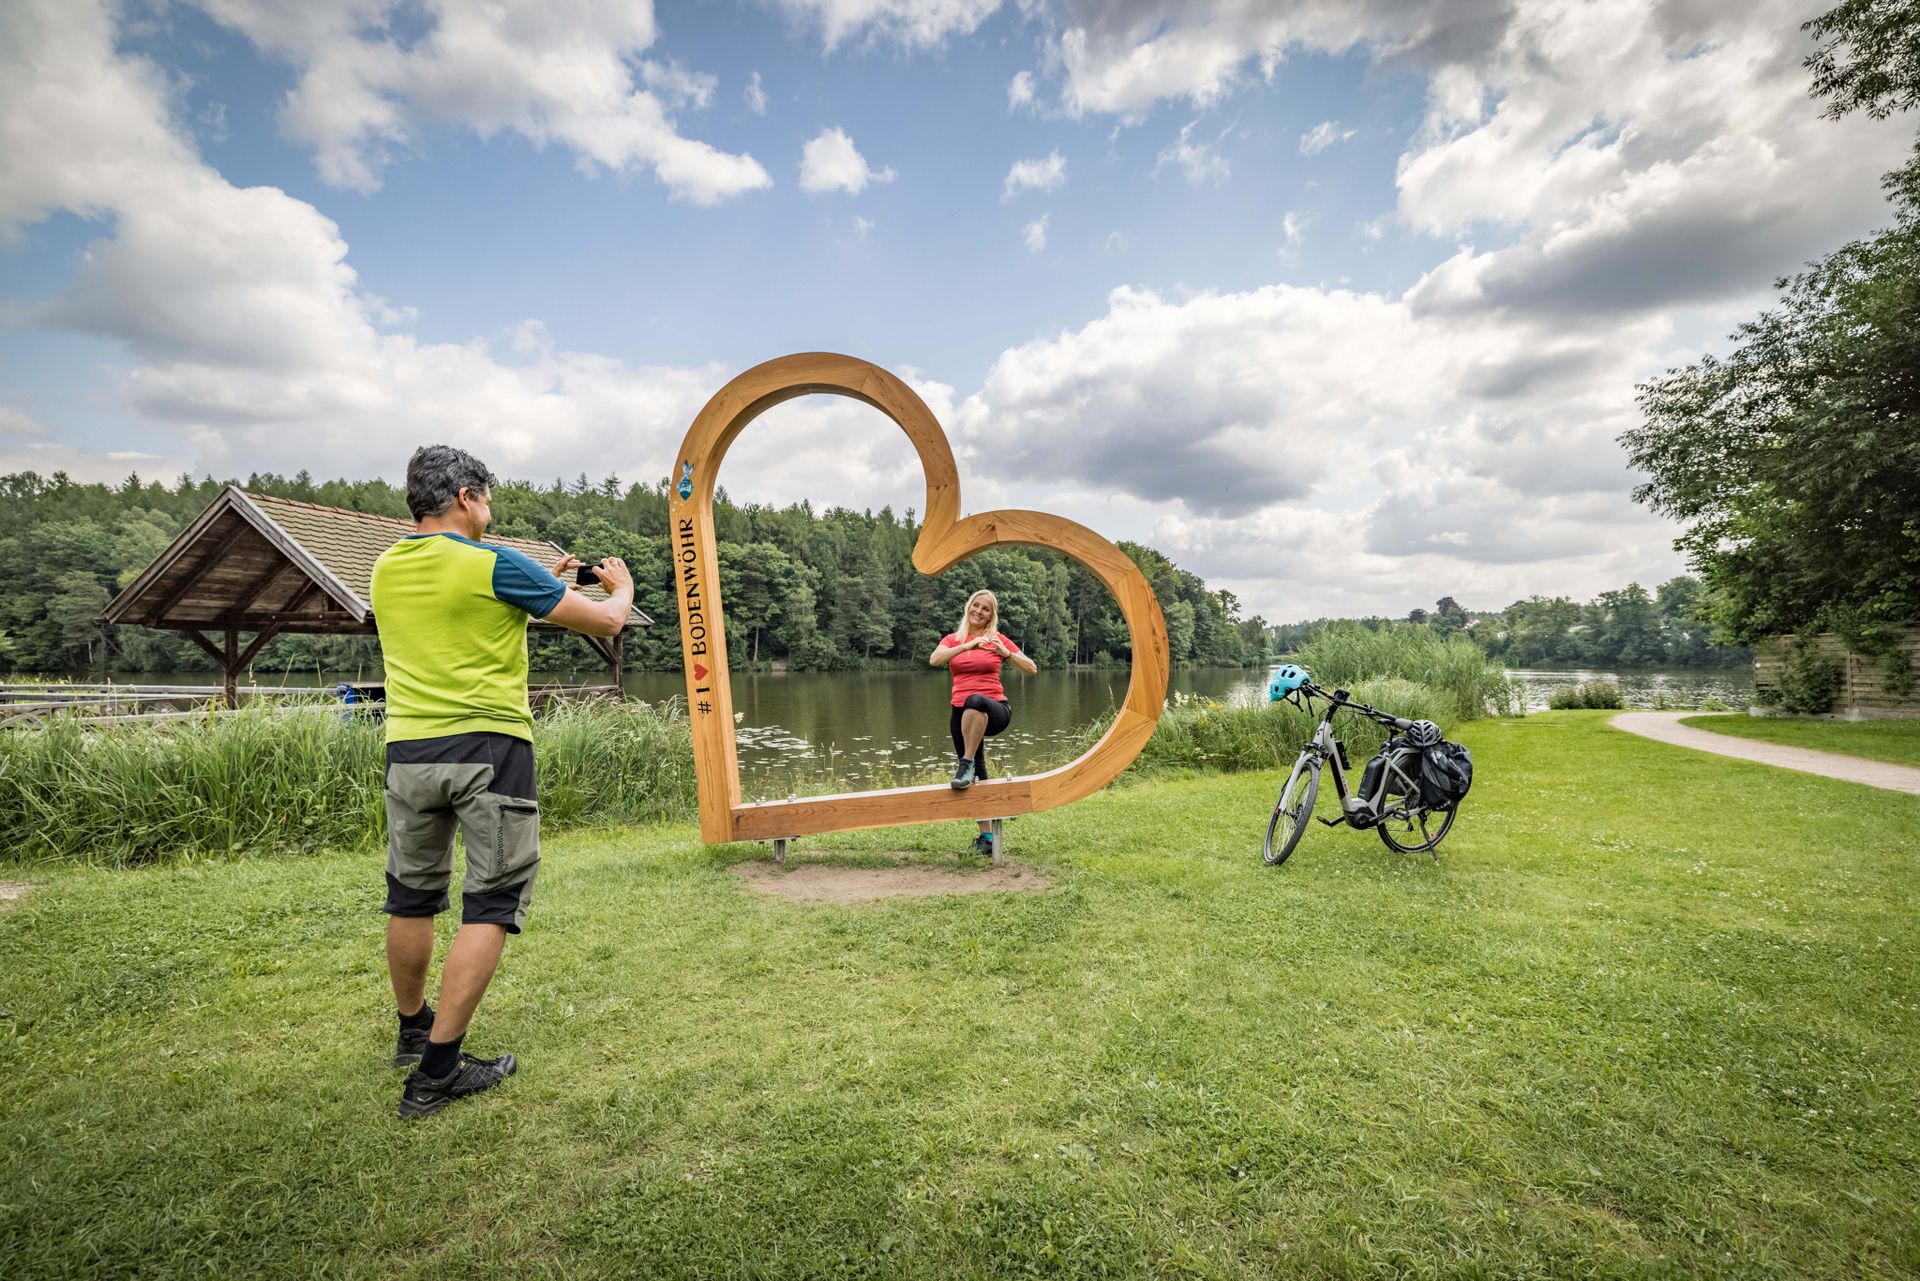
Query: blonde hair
[993,623]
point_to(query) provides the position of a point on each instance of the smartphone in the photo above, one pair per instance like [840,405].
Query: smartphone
[584,576]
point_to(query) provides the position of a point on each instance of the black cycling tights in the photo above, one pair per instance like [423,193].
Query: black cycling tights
[999,715]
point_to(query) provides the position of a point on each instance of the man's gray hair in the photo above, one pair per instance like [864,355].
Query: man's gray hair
[437,473]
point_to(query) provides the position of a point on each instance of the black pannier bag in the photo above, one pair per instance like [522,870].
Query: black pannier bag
[1446,772]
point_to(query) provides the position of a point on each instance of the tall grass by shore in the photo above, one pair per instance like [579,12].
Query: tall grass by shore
[1205,735]
[1345,654]
[270,780]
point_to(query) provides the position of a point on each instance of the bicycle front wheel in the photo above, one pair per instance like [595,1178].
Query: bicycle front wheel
[1293,811]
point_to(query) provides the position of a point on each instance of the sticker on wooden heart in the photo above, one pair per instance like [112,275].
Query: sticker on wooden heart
[945,539]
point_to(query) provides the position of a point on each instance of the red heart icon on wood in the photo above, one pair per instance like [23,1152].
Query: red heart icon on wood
[945,539]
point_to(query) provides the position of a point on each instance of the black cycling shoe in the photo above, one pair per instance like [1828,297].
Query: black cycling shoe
[411,1045]
[963,776]
[424,1095]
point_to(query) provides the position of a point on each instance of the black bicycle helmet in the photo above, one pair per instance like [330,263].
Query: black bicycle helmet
[1423,734]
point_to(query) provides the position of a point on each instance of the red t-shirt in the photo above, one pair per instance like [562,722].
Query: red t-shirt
[977,671]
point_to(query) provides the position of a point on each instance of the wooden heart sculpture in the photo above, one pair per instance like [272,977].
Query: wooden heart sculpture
[945,539]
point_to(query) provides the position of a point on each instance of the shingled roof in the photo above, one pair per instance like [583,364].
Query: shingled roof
[255,563]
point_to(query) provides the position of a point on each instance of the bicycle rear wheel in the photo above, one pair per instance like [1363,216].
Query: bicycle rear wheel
[1420,831]
[1293,810]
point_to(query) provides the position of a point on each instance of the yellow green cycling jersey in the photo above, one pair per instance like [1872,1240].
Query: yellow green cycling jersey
[452,616]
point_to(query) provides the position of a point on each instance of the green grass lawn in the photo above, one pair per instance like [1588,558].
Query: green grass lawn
[1896,741]
[1652,1013]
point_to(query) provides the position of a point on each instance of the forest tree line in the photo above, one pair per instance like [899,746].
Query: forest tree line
[814,591]
[1628,627]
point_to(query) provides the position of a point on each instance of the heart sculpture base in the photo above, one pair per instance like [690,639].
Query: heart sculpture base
[945,539]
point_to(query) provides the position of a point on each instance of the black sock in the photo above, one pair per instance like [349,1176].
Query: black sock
[441,1056]
[422,1017]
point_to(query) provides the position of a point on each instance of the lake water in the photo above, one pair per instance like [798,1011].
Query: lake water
[890,727]
[881,728]
[1678,688]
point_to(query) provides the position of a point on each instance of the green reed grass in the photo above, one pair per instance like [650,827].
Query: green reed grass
[1202,734]
[1591,695]
[292,779]
[1344,654]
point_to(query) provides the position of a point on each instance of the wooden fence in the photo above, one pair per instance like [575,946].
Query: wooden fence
[1863,678]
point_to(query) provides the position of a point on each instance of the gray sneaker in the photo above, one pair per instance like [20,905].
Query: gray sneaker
[963,776]
[424,1095]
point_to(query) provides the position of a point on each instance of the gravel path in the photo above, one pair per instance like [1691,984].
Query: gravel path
[1666,728]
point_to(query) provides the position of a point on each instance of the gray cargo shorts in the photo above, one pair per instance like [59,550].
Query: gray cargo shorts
[484,784]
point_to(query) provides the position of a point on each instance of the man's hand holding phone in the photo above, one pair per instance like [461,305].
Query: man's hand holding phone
[611,574]
[579,612]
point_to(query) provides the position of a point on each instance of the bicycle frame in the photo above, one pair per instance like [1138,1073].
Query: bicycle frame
[1359,811]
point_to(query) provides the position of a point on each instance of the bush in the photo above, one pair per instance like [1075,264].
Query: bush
[1808,683]
[1473,685]
[1591,694]
[292,779]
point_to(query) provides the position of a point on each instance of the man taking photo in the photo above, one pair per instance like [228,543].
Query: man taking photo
[452,615]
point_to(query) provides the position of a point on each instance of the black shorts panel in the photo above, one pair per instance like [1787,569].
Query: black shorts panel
[511,758]
[404,900]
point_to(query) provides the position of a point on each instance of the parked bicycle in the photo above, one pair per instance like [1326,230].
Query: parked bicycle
[1409,792]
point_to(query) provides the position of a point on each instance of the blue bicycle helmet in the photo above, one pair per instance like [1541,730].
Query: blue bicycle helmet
[1285,680]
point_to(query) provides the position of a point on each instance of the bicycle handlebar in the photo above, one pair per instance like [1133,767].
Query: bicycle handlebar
[1339,699]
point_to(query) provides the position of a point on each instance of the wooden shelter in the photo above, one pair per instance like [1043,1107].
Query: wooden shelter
[262,566]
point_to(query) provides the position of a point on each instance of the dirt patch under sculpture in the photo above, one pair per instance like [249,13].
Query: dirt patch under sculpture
[819,883]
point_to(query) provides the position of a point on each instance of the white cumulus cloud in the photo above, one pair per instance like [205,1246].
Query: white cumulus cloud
[1258,427]
[1043,174]
[558,73]
[250,342]
[1197,160]
[830,162]
[1035,235]
[1020,90]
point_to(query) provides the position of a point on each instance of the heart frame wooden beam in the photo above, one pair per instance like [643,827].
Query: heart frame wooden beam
[945,539]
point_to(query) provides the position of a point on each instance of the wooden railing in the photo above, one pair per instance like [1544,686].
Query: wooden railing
[27,703]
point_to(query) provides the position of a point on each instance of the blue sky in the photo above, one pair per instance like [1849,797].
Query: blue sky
[1341,305]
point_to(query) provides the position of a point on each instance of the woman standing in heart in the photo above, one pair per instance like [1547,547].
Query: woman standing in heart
[974,653]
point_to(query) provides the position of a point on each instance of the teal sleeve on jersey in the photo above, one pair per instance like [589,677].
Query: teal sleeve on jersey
[519,581]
